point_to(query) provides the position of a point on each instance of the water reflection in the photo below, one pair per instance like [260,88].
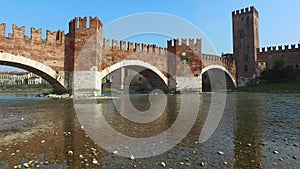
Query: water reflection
[248,131]
[47,133]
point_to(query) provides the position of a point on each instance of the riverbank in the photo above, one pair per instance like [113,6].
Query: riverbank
[26,88]
[272,87]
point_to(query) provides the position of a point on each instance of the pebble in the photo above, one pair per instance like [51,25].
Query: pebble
[26,165]
[249,144]
[202,164]
[95,162]
[132,157]
[295,157]
[70,152]
[225,163]
[115,152]
[163,164]
[280,159]
[275,152]
[181,163]
[220,152]
[81,156]
[43,141]
[18,151]
[296,145]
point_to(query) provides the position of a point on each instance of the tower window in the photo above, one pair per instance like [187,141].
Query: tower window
[246,57]
[246,68]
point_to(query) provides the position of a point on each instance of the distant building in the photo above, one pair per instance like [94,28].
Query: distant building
[250,59]
[12,78]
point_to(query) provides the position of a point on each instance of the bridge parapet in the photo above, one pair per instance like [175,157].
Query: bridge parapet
[18,34]
[149,49]
[209,59]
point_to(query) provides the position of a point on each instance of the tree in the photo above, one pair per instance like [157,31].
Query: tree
[279,72]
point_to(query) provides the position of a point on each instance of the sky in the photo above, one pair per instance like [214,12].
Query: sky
[278,20]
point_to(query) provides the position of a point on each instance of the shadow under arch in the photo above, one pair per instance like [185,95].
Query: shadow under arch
[230,81]
[155,76]
[46,72]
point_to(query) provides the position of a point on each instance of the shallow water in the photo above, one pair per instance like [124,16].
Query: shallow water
[253,126]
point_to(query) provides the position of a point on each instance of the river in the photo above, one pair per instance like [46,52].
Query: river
[257,130]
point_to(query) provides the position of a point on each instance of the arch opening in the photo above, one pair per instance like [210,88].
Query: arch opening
[45,72]
[133,77]
[217,78]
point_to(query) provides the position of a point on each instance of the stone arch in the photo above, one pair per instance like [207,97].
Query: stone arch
[131,63]
[47,73]
[220,68]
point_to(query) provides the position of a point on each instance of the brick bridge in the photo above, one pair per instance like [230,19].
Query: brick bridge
[77,61]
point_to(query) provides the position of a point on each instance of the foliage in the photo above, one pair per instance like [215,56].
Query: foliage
[279,72]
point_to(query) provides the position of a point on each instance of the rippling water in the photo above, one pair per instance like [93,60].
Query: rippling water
[254,127]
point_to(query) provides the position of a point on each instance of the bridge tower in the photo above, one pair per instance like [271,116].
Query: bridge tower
[83,56]
[245,43]
[184,64]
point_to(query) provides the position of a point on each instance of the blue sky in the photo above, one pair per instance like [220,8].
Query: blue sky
[279,20]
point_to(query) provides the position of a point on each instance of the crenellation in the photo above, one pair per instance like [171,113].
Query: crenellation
[144,48]
[191,42]
[247,9]
[106,43]
[293,46]
[50,37]
[176,42]
[170,43]
[137,47]
[244,11]
[156,50]
[150,48]
[2,30]
[73,24]
[18,33]
[280,48]
[56,37]
[114,44]
[36,34]
[198,43]
[95,23]
[61,37]
[183,42]
[122,45]
[130,46]
[82,22]
[286,47]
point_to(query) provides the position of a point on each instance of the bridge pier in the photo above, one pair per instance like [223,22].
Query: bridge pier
[189,84]
[87,84]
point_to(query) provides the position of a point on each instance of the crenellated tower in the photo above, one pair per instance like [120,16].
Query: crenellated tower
[245,42]
[83,54]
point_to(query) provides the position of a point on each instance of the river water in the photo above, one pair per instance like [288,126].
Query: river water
[257,130]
